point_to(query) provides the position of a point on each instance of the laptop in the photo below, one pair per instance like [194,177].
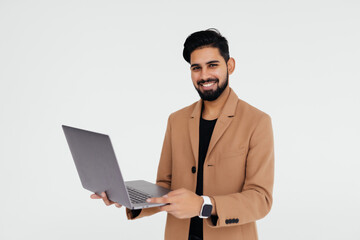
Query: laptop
[99,171]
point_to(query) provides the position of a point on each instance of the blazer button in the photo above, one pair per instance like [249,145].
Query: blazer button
[193,169]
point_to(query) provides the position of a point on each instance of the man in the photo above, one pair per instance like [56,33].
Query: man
[217,155]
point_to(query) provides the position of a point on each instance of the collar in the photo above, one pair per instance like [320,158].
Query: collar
[228,110]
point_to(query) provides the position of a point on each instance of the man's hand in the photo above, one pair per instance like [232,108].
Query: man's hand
[105,199]
[182,203]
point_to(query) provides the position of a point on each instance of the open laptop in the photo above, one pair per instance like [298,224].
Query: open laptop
[99,171]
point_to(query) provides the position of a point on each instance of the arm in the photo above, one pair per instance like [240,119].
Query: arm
[255,199]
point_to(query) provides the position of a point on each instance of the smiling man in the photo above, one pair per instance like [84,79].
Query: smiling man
[217,155]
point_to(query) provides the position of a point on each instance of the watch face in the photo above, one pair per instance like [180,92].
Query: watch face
[206,212]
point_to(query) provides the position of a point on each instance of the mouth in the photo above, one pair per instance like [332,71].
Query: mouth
[208,85]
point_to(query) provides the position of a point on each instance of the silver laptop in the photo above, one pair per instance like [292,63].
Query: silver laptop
[99,171]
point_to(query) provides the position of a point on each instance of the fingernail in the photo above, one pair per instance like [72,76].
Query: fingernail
[165,196]
[148,200]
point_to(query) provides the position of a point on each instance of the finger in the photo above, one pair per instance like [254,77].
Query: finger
[95,196]
[176,192]
[167,208]
[105,199]
[164,199]
[104,196]
[118,205]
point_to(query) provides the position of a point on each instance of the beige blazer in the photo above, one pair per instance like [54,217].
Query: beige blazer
[238,168]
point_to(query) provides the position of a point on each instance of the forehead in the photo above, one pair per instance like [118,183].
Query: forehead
[205,54]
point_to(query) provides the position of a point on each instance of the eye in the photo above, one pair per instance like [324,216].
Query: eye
[195,68]
[212,65]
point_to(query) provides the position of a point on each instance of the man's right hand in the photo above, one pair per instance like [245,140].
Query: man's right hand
[105,199]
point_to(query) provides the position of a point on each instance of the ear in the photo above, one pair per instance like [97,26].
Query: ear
[231,65]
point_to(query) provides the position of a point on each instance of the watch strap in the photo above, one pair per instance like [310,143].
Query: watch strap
[207,203]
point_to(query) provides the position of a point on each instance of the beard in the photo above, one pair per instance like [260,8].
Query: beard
[211,95]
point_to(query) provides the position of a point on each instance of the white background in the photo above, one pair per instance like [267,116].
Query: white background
[116,67]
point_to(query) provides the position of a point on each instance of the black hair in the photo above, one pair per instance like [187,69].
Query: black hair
[207,38]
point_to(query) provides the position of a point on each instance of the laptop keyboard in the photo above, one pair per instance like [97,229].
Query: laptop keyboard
[137,196]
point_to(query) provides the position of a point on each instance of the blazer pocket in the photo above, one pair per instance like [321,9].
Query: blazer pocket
[229,170]
[233,153]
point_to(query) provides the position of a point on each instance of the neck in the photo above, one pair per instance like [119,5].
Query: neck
[212,109]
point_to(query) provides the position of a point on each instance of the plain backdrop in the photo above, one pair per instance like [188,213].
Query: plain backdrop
[116,67]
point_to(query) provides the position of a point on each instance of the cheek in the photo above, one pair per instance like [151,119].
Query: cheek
[219,73]
[195,78]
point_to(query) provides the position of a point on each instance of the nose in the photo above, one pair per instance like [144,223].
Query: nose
[205,74]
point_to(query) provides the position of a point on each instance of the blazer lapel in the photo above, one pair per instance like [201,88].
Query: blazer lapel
[221,125]
[194,124]
[224,120]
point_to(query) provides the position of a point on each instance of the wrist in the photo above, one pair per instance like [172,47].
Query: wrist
[200,203]
[206,207]
[213,211]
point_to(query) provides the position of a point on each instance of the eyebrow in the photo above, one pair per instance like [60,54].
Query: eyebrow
[210,62]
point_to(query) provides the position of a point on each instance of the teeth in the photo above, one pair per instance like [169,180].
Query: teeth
[208,84]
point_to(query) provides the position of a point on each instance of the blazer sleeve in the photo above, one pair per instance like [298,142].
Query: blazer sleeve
[255,200]
[163,175]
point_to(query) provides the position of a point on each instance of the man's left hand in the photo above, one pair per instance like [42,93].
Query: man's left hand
[182,203]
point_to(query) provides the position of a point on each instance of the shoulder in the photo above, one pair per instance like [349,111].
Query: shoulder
[249,112]
[183,112]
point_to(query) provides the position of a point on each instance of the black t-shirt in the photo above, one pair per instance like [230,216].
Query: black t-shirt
[205,131]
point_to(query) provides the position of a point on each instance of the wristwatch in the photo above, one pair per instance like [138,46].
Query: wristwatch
[206,208]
